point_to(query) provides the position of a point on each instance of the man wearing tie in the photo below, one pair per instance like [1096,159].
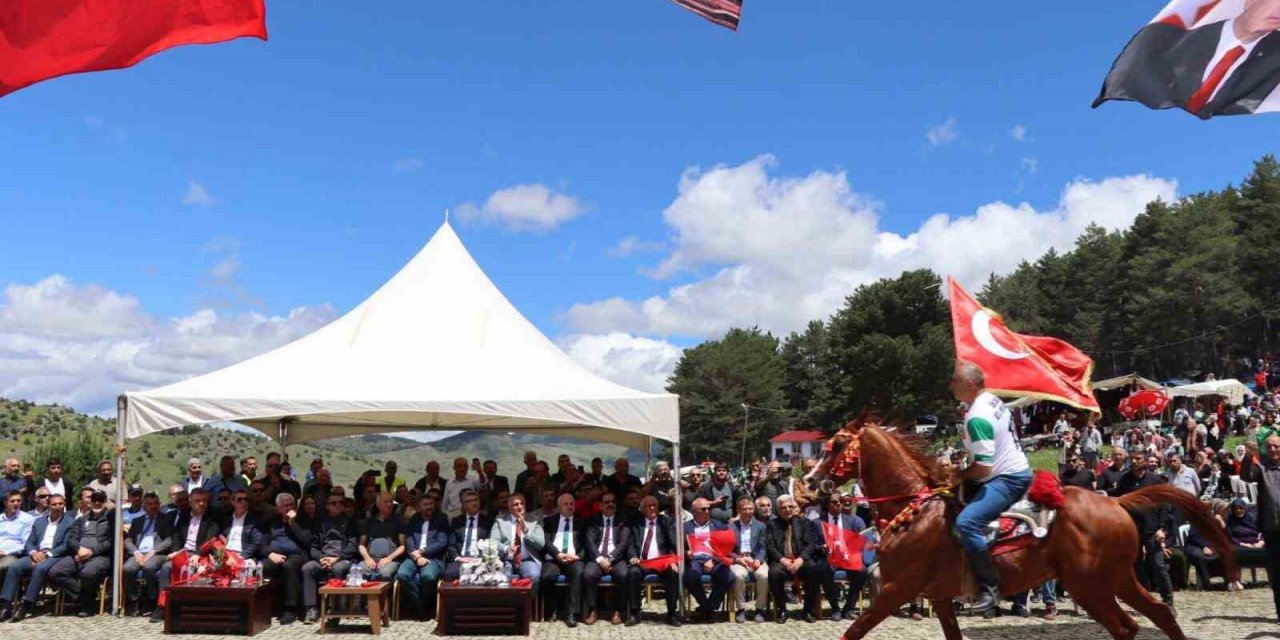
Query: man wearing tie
[608,546]
[426,538]
[835,524]
[702,561]
[564,551]
[795,551]
[520,542]
[146,547]
[657,537]
[466,530]
[46,545]
[749,560]
[194,527]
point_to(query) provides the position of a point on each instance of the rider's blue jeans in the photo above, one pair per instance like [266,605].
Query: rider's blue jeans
[993,497]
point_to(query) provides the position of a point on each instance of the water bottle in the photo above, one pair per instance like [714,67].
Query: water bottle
[353,576]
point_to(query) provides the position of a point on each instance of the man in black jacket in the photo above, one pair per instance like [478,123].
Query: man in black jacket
[1154,526]
[90,541]
[284,549]
[464,532]
[655,537]
[1267,475]
[795,550]
[241,526]
[333,548]
[608,544]
[565,542]
[194,527]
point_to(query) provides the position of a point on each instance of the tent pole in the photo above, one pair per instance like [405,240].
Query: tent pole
[648,458]
[678,503]
[117,554]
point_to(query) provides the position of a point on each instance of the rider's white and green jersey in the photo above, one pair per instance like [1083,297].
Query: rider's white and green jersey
[990,438]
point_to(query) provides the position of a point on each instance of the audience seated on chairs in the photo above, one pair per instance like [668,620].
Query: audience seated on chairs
[194,527]
[242,527]
[750,563]
[656,537]
[608,545]
[145,548]
[833,526]
[426,537]
[380,548]
[703,562]
[521,542]
[795,551]
[565,535]
[83,570]
[333,548]
[464,532]
[1246,536]
[45,545]
[286,545]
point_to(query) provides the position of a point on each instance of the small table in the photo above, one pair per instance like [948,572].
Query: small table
[204,608]
[379,611]
[502,611]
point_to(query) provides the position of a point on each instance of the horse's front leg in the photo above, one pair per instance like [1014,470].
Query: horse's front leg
[891,598]
[946,610]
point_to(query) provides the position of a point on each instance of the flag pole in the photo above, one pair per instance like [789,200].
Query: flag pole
[117,547]
[678,526]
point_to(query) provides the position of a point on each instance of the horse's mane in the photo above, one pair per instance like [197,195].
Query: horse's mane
[916,450]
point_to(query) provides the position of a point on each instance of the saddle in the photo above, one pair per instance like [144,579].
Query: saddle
[1028,520]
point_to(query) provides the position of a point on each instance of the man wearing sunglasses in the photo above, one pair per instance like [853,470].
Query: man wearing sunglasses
[242,527]
[702,561]
[333,548]
[41,508]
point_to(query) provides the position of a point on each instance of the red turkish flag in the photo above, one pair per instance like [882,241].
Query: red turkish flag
[845,547]
[42,39]
[1017,365]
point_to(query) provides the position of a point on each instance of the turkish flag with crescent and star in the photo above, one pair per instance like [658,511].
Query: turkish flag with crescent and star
[1017,365]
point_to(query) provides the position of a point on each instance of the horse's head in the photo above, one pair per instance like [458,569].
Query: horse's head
[840,458]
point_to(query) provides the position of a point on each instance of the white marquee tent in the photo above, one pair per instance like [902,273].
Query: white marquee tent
[1233,390]
[438,347]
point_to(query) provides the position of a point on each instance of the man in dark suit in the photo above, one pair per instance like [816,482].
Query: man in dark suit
[333,549]
[795,551]
[284,549]
[194,527]
[702,561]
[464,532]
[426,540]
[145,549]
[750,563]
[490,483]
[833,525]
[242,527]
[608,546]
[565,545]
[46,545]
[655,537]
[90,544]
[1228,67]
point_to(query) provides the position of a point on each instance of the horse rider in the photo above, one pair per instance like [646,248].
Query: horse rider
[998,466]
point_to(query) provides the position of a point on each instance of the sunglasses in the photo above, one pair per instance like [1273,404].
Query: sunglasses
[334,503]
[240,499]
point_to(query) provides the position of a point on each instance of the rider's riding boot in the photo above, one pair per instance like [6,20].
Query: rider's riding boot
[984,569]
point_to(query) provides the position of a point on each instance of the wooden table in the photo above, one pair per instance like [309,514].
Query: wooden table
[500,611]
[205,608]
[378,612]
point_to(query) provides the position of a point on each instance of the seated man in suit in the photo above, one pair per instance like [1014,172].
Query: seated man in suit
[242,527]
[749,560]
[333,548]
[195,526]
[426,538]
[656,537]
[284,549]
[702,561]
[380,548]
[465,531]
[90,543]
[145,549]
[794,550]
[608,544]
[566,535]
[521,542]
[46,545]
[835,522]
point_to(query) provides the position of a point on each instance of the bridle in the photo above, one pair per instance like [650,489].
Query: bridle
[851,457]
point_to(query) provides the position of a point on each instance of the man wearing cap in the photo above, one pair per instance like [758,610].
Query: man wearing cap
[133,508]
[89,542]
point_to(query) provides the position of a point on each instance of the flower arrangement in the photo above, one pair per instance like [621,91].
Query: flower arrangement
[486,570]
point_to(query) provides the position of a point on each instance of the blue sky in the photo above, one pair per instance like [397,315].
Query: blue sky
[264,177]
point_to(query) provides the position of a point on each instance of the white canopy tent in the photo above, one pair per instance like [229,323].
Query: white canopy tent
[438,347]
[1233,390]
[1124,381]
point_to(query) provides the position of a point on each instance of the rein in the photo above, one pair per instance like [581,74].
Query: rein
[852,456]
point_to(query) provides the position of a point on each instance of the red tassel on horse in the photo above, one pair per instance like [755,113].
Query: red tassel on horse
[1046,490]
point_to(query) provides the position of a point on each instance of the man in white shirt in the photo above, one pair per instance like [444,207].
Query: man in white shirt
[241,527]
[49,535]
[564,552]
[426,538]
[53,480]
[195,476]
[749,560]
[15,529]
[105,482]
[451,501]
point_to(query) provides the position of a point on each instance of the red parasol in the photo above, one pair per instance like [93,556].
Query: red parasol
[1148,402]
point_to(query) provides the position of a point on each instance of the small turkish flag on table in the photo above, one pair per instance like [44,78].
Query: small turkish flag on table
[43,39]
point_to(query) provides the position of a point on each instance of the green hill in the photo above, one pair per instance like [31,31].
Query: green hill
[159,459]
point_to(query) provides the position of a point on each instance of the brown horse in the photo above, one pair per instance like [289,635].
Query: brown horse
[1091,547]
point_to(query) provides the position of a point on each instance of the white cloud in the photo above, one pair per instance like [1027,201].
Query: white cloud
[633,244]
[408,165]
[81,345]
[524,207]
[636,362]
[786,250]
[1018,132]
[224,273]
[944,133]
[196,195]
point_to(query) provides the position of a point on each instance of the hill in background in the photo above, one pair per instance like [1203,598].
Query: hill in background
[159,459]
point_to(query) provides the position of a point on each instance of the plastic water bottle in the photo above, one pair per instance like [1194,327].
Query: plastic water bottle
[353,575]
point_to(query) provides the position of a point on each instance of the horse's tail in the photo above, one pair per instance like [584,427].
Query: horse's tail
[1197,513]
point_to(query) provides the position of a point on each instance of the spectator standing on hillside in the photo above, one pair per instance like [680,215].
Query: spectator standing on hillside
[1153,528]
[1090,444]
[621,480]
[430,481]
[53,480]
[720,494]
[390,481]
[660,485]
[452,502]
